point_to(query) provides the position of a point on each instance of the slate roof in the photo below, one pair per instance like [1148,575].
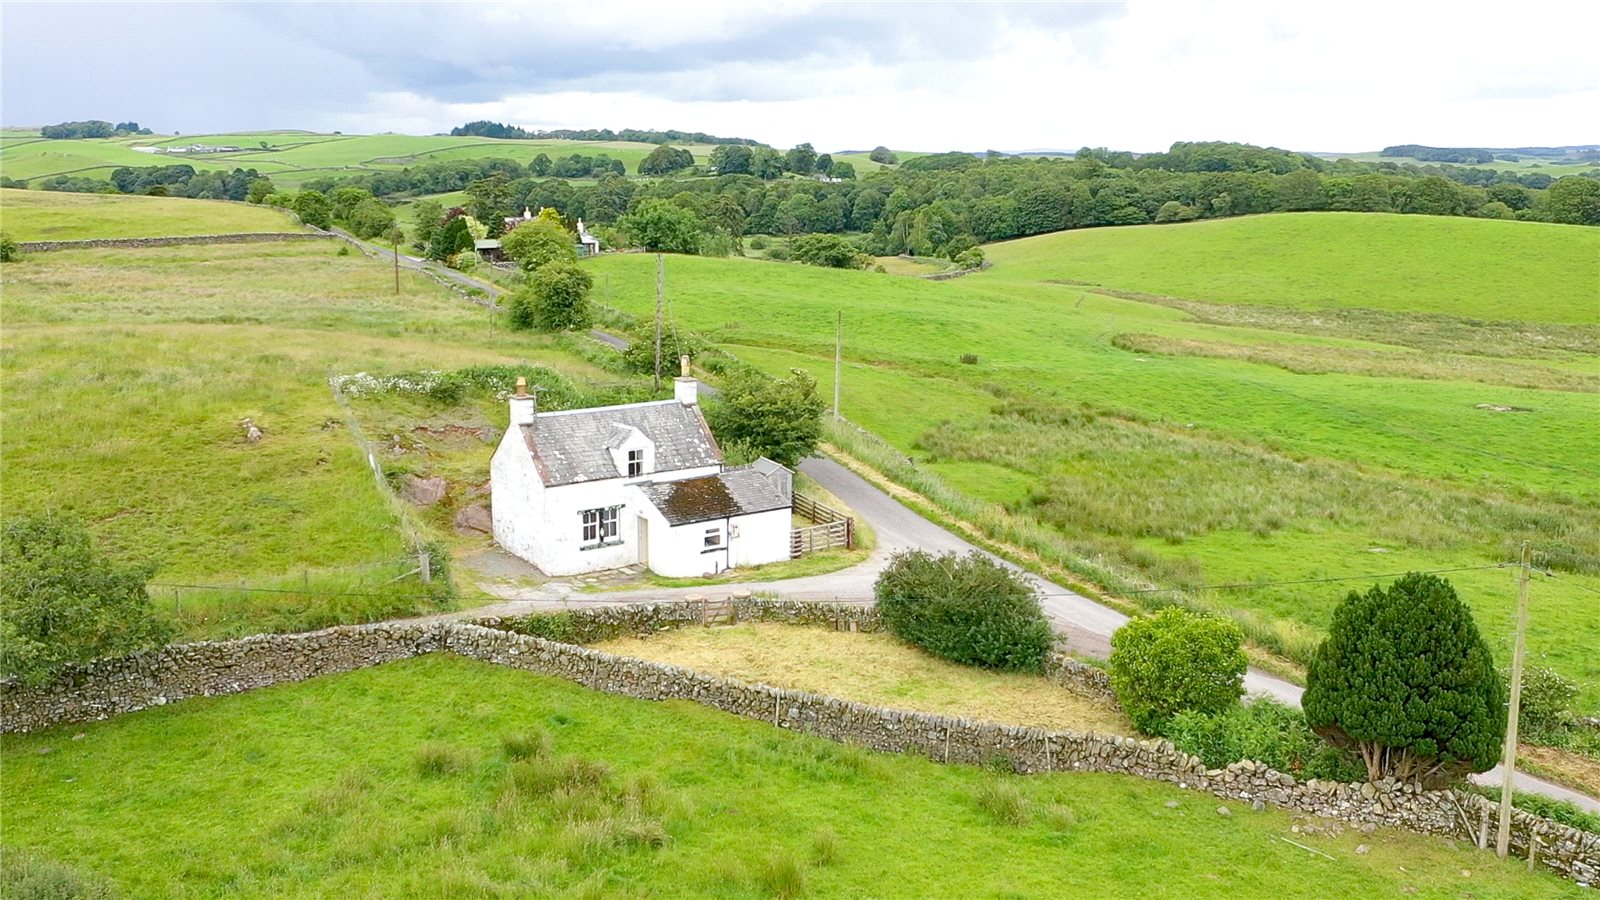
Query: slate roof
[574,446]
[735,492]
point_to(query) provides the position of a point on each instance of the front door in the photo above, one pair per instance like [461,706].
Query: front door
[644,542]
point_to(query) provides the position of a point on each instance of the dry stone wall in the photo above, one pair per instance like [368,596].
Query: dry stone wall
[248,237]
[109,687]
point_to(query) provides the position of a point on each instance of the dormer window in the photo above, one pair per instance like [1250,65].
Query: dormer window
[635,463]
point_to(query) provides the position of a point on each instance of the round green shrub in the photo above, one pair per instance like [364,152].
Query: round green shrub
[970,610]
[1174,661]
[1405,679]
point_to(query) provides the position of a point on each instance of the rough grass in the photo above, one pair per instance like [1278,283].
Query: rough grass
[1574,769]
[872,668]
[1334,259]
[1312,360]
[1309,440]
[310,790]
[53,216]
[128,373]
[899,265]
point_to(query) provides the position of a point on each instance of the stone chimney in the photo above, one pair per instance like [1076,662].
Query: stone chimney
[684,387]
[523,404]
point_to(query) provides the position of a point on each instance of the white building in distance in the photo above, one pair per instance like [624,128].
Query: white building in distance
[586,490]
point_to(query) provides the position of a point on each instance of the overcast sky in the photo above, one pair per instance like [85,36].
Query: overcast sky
[1138,76]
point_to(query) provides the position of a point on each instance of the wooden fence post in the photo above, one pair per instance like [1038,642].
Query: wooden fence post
[425,565]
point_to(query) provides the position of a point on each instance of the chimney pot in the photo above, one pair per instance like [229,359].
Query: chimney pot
[524,406]
[683,365]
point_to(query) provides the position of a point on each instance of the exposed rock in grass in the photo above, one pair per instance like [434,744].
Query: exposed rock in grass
[474,518]
[423,491]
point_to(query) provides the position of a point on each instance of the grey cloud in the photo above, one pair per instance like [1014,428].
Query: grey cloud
[449,53]
[176,66]
[199,66]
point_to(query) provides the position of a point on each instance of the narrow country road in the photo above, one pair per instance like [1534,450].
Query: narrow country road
[492,290]
[1085,625]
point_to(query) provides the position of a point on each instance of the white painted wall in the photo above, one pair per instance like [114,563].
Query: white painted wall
[545,525]
[680,552]
[516,496]
[762,538]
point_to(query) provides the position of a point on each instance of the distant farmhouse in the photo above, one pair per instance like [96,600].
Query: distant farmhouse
[585,490]
[491,250]
[189,150]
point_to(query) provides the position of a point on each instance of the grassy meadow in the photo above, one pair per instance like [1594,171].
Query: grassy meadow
[292,158]
[1467,268]
[129,374]
[442,776]
[51,216]
[1246,425]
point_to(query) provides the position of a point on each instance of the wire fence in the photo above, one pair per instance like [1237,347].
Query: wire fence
[315,598]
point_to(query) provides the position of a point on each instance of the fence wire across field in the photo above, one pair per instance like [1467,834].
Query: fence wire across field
[363,591]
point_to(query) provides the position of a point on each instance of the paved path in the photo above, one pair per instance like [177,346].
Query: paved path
[1086,625]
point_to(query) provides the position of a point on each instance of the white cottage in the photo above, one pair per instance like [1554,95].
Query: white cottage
[585,490]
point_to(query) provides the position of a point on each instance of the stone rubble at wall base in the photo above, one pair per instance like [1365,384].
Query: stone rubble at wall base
[109,687]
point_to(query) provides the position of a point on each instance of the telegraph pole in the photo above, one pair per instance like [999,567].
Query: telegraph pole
[661,277]
[395,234]
[838,358]
[1502,844]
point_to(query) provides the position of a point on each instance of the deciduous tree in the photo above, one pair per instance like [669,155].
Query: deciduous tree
[538,243]
[61,602]
[780,418]
[313,209]
[662,226]
[1173,661]
[555,298]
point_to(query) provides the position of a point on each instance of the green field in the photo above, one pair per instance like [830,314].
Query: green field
[50,216]
[1211,438]
[1519,271]
[393,781]
[293,157]
[1555,168]
[127,374]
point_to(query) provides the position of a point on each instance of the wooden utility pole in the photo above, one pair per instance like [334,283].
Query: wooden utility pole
[396,235]
[661,278]
[1502,844]
[838,359]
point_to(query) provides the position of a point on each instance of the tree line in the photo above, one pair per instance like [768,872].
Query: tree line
[1440,154]
[485,128]
[161,181]
[92,128]
[945,211]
